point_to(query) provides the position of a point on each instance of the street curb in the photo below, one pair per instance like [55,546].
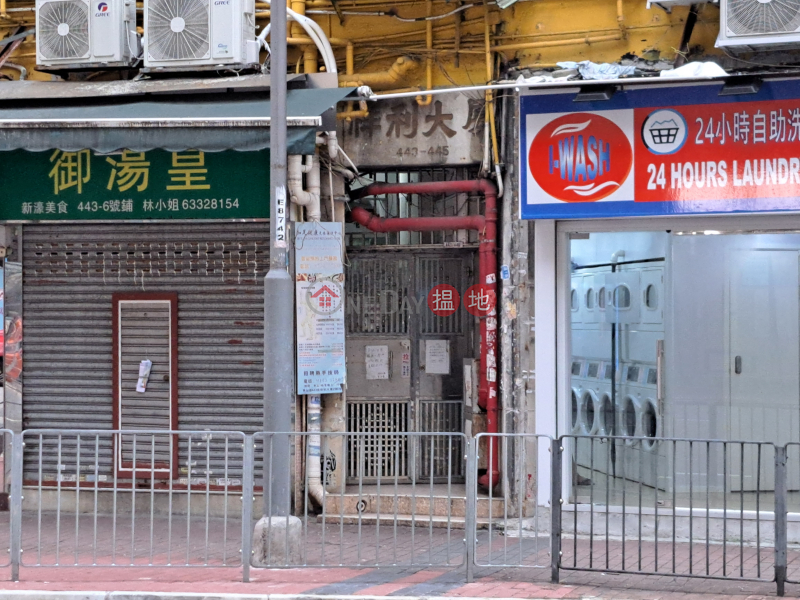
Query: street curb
[46,595]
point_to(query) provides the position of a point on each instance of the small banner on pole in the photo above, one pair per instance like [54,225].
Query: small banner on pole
[320,308]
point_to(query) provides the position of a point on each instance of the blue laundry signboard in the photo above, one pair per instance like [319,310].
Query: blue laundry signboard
[668,149]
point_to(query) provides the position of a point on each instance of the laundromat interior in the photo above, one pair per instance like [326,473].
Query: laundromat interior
[686,334]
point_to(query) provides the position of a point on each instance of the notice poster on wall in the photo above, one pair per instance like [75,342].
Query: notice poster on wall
[437,357]
[376,362]
[319,298]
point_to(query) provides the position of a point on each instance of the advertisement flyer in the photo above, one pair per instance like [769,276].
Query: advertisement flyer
[319,293]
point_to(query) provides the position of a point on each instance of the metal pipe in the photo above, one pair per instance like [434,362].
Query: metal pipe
[23,72]
[489,116]
[429,59]
[486,226]
[416,32]
[555,43]
[309,198]
[397,72]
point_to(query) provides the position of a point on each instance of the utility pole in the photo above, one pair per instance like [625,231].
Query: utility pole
[273,545]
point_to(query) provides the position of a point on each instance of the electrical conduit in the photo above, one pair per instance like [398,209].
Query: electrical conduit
[486,226]
[313,465]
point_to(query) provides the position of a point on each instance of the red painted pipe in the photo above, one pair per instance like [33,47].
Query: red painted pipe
[486,225]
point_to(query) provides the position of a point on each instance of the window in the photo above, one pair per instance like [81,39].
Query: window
[574,410]
[649,420]
[629,417]
[587,411]
[651,297]
[622,297]
[590,299]
[608,415]
[573,299]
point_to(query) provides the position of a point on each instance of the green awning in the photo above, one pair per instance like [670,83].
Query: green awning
[203,121]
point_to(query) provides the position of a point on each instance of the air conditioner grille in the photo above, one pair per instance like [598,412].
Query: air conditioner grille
[63,29]
[177,29]
[752,17]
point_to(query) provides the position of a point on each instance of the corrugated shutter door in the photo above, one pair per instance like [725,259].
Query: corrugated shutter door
[69,275]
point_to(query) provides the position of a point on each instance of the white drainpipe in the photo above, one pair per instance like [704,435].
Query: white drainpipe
[313,464]
[309,198]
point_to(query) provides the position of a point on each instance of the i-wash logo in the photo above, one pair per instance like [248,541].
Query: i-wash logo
[580,157]
[102,10]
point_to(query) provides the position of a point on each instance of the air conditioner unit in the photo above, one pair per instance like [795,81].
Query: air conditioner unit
[199,34]
[86,34]
[752,25]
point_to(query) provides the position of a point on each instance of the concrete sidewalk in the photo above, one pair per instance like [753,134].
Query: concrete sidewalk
[136,583]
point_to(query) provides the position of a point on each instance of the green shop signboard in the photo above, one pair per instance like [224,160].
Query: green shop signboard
[156,184]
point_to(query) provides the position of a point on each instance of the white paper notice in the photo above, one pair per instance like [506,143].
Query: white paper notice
[377,362]
[144,375]
[437,357]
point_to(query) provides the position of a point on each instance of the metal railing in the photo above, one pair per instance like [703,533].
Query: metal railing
[645,506]
[669,507]
[131,498]
[505,536]
[371,522]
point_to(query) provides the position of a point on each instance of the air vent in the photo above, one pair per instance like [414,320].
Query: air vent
[63,30]
[177,29]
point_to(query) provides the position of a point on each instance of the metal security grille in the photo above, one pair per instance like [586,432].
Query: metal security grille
[441,456]
[388,304]
[376,288]
[435,271]
[70,273]
[376,452]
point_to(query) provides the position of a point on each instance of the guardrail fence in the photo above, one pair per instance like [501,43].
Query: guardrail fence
[646,506]
[403,519]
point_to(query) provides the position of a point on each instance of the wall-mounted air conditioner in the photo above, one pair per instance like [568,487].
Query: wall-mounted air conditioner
[191,34]
[86,34]
[752,25]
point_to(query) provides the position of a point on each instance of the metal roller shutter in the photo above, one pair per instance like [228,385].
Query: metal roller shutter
[69,275]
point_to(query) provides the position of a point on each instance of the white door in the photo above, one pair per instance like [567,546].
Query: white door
[764,361]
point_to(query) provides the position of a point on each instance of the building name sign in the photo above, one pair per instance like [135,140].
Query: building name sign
[667,151]
[156,184]
[448,131]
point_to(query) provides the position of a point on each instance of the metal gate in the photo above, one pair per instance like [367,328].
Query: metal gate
[70,273]
[391,336]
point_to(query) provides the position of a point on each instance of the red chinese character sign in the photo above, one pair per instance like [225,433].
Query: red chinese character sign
[480,300]
[443,300]
[661,151]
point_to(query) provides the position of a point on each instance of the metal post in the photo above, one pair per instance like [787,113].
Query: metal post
[556,454]
[278,285]
[470,526]
[780,518]
[16,505]
[277,528]
[248,471]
